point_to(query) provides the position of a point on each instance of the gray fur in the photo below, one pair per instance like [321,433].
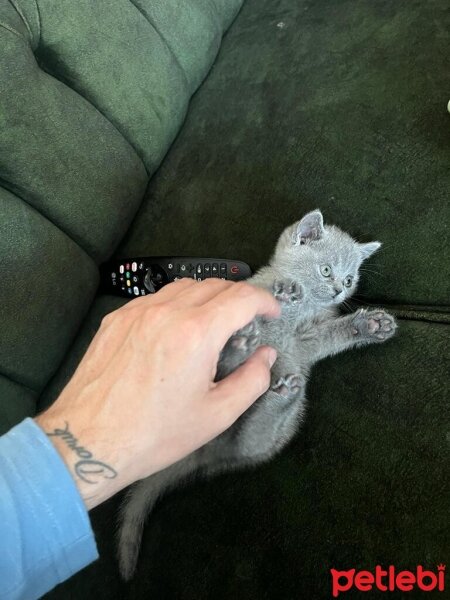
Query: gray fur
[308,330]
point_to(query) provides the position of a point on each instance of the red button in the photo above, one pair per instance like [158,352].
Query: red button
[234,269]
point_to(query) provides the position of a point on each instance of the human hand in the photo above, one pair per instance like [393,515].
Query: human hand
[144,394]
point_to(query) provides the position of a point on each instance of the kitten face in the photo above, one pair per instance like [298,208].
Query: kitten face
[324,259]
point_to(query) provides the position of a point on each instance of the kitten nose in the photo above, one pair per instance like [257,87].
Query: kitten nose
[337,289]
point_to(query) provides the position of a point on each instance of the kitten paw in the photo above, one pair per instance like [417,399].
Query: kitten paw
[245,340]
[237,349]
[374,325]
[288,293]
[288,386]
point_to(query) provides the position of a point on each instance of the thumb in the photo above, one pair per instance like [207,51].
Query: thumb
[239,390]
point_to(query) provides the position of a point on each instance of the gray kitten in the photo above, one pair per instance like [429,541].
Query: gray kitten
[313,270]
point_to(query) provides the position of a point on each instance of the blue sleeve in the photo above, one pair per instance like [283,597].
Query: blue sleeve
[45,532]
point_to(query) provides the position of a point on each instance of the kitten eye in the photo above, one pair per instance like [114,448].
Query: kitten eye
[348,281]
[325,270]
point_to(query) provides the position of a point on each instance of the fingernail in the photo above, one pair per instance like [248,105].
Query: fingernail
[272,356]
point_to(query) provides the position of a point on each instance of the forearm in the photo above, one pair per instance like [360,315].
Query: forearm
[44,526]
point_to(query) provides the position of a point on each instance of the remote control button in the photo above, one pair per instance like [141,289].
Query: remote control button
[183,268]
[121,269]
[134,266]
[135,279]
[234,269]
[141,266]
[190,267]
[199,278]
[215,270]
[127,266]
[128,283]
[199,269]
[128,274]
[170,267]
[130,291]
[223,269]
[123,288]
[207,270]
[136,290]
[223,278]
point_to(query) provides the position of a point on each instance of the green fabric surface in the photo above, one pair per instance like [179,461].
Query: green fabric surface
[337,104]
[137,62]
[47,284]
[364,482]
[91,96]
[16,403]
[60,155]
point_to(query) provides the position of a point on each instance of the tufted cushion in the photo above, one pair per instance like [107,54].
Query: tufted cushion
[91,96]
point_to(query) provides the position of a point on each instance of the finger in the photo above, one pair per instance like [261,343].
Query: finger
[185,291]
[203,291]
[238,391]
[168,292]
[234,308]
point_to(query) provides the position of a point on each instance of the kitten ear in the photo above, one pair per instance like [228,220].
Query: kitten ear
[309,228]
[368,249]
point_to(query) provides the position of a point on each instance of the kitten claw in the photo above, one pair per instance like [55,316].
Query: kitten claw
[288,386]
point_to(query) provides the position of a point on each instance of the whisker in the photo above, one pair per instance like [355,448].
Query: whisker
[346,305]
[369,270]
[355,300]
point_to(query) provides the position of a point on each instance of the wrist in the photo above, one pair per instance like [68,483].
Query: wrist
[92,465]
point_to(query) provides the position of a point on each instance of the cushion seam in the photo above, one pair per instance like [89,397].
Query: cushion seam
[47,218]
[107,119]
[10,29]
[419,318]
[150,22]
[21,15]
[16,382]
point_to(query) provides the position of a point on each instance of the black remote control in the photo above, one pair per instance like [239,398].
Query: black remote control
[131,277]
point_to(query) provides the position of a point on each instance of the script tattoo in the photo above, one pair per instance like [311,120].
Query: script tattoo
[87,468]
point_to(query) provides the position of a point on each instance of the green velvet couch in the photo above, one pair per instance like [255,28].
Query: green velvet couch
[204,127]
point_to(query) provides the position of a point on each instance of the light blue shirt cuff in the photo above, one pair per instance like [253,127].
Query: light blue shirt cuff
[45,531]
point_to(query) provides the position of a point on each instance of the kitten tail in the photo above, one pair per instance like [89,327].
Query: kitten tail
[138,502]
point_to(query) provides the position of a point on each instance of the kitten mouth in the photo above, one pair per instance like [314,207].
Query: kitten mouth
[326,300]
